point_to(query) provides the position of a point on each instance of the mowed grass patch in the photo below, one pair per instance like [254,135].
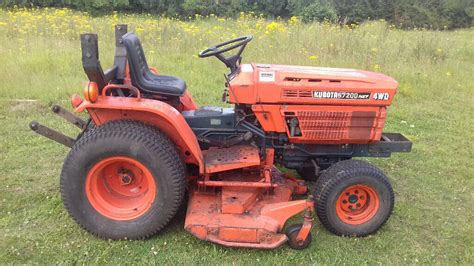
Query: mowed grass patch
[432,220]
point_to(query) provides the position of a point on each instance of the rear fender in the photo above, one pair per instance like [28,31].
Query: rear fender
[157,113]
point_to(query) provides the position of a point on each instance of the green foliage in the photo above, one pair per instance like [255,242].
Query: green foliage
[438,14]
[318,11]
[273,8]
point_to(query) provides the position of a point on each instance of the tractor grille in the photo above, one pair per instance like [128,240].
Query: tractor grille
[336,125]
[291,93]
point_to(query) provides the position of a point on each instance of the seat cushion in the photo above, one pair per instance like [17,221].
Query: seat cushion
[167,85]
[143,78]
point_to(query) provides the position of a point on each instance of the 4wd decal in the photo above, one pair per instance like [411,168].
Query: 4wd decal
[341,95]
[381,96]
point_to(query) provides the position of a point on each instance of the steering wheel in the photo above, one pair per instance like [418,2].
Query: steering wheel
[218,50]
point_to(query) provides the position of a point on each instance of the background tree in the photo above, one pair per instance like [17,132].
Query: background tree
[437,14]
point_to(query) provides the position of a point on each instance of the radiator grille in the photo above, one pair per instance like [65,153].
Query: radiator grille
[323,125]
[335,125]
[323,134]
[290,93]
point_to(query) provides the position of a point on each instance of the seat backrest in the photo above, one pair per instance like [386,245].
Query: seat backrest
[141,75]
[136,58]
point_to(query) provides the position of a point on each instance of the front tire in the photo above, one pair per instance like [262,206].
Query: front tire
[353,198]
[123,180]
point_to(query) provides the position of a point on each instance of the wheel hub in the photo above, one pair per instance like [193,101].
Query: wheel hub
[120,188]
[353,198]
[126,177]
[357,204]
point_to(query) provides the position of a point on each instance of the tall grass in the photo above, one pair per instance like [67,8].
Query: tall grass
[46,42]
[41,60]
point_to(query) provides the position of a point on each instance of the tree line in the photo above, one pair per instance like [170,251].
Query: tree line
[436,14]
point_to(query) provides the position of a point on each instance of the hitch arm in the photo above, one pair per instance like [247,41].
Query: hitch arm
[70,117]
[52,134]
[55,135]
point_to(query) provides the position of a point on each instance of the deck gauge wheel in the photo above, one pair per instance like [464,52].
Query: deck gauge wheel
[292,233]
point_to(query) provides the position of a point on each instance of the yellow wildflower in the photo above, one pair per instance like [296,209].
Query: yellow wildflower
[293,21]
[275,26]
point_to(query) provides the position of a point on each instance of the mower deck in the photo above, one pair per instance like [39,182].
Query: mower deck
[250,217]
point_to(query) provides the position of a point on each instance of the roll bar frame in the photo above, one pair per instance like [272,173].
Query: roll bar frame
[91,61]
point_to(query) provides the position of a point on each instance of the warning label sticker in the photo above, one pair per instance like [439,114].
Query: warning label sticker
[267,76]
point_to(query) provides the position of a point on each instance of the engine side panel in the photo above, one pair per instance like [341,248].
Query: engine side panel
[323,124]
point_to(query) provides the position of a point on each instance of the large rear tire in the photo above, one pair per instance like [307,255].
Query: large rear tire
[353,198]
[123,180]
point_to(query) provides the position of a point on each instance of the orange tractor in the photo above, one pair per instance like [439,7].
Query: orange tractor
[146,144]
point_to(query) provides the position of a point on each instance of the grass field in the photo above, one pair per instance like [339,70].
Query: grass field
[434,186]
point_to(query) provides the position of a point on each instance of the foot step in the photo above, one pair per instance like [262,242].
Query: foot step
[235,157]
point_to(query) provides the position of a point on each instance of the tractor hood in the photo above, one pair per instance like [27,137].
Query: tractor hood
[263,83]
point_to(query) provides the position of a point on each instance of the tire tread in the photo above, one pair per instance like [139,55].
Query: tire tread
[154,140]
[336,174]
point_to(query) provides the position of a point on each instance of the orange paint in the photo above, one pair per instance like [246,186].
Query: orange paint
[280,84]
[187,102]
[235,157]
[324,124]
[120,188]
[307,222]
[76,100]
[153,70]
[238,199]
[153,112]
[357,204]
[244,217]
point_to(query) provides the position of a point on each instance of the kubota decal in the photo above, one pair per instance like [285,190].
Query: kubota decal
[341,95]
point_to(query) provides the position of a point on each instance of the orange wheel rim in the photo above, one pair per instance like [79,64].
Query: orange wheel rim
[357,204]
[120,188]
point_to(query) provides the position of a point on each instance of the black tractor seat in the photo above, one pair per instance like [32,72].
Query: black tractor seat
[143,78]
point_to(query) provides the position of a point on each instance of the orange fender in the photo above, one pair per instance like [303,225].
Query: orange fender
[157,113]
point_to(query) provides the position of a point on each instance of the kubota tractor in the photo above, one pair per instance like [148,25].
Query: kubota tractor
[147,142]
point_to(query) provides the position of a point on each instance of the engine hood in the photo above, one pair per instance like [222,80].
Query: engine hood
[265,83]
[290,73]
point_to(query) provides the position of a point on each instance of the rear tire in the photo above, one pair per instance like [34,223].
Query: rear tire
[353,198]
[123,180]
